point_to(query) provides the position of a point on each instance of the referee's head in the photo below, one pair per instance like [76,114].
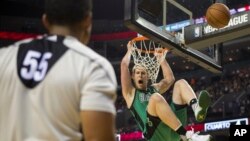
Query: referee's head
[76,15]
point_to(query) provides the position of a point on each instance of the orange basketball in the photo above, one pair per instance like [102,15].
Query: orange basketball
[218,15]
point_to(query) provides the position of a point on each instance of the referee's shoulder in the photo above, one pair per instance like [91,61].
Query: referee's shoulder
[10,49]
[87,52]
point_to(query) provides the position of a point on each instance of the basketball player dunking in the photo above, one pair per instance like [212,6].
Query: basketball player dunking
[158,120]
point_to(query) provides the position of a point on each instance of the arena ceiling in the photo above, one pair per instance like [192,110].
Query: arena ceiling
[102,9]
[24,16]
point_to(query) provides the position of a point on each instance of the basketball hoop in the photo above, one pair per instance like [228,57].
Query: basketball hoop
[149,54]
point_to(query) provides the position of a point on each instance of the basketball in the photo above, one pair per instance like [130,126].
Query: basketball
[218,15]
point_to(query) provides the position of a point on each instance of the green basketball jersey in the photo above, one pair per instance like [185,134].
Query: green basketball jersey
[161,132]
[139,106]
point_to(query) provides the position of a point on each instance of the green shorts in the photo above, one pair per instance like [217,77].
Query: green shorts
[156,130]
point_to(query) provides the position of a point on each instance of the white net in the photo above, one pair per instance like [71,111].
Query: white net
[148,54]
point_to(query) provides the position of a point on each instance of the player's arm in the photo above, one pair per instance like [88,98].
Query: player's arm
[126,83]
[98,126]
[168,78]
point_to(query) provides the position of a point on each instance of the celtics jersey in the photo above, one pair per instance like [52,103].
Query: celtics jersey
[139,106]
[152,127]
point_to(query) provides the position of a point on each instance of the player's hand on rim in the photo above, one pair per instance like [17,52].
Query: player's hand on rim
[130,46]
[160,52]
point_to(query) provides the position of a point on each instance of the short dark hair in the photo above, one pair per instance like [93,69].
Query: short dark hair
[67,12]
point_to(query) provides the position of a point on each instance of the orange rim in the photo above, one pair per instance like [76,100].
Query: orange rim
[143,38]
[140,38]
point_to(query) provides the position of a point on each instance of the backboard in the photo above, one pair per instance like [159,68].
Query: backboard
[172,24]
